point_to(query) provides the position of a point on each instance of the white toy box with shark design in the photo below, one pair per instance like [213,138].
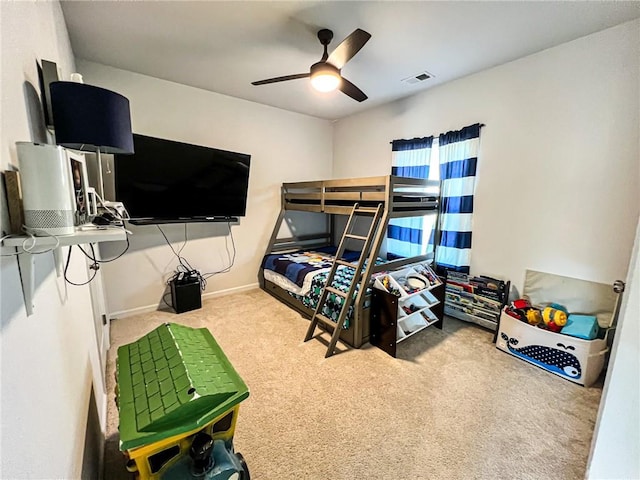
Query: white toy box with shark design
[575,359]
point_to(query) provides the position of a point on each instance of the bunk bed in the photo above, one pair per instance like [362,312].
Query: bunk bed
[295,268]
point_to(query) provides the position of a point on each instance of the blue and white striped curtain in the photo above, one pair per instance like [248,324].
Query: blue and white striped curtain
[406,236]
[458,160]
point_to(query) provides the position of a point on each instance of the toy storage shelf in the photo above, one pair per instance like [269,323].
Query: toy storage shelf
[400,310]
[33,245]
[469,298]
[467,317]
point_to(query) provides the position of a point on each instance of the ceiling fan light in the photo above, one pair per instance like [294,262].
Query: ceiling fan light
[325,81]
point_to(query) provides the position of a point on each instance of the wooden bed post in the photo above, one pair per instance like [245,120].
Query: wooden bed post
[274,234]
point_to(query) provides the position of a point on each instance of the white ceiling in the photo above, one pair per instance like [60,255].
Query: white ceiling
[224,46]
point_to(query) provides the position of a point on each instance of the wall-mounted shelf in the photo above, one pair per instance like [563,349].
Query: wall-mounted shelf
[26,260]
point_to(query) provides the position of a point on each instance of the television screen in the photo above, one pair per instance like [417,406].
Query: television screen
[168,181]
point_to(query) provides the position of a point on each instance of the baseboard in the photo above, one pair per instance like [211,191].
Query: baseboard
[229,291]
[153,308]
[94,439]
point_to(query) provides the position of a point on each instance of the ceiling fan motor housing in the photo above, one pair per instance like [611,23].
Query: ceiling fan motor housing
[323,68]
[324,76]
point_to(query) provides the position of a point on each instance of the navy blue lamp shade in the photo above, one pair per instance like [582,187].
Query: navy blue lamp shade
[90,118]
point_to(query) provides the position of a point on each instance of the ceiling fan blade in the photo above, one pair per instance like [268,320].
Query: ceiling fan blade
[281,79]
[348,48]
[350,89]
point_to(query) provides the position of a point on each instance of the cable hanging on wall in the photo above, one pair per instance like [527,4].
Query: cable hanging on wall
[184,268]
[232,257]
[95,265]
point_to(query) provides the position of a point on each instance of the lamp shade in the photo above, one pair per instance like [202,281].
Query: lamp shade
[90,118]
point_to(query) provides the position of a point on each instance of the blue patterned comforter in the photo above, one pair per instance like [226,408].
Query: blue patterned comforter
[296,266]
[333,305]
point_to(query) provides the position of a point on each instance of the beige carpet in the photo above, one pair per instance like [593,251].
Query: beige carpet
[451,406]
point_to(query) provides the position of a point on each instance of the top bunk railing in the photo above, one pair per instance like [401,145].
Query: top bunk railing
[401,196]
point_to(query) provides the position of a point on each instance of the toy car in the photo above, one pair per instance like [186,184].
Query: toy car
[178,398]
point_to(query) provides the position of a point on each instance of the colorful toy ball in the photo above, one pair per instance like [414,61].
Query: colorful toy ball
[555,316]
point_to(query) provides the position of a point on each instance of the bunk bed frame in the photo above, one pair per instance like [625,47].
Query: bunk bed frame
[399,196]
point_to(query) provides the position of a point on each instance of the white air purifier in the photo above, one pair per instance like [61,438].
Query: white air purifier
[47,197]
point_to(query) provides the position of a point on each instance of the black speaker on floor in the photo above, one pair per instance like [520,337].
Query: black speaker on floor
[185,294]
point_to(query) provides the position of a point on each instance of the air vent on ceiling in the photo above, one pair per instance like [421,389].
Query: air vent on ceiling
[420,77]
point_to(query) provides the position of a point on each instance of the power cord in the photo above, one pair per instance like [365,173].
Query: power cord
[93,258]
[184,270]
[66,267]
[164,299]
[184,244]
[232,257]
[4,237]
[181,260]
[31,238]
[93,267]
[113,211]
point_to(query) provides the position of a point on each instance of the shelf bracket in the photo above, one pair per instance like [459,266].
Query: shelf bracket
[27,263]
[57,259]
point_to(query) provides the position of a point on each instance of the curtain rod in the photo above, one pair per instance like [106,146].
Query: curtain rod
[438,135]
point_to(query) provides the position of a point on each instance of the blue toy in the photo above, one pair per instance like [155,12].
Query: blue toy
[581,326]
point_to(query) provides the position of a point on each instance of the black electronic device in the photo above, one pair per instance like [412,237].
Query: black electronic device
[106,218]
[101,220]
[167,182]
[185,293]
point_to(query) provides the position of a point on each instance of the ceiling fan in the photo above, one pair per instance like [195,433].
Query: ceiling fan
[325,75]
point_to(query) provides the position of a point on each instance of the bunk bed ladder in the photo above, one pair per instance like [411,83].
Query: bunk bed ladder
[348,296]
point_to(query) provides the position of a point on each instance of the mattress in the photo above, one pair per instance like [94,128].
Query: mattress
[286,284]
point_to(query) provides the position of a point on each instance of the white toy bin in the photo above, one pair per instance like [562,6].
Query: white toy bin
[575,359]
[572,358]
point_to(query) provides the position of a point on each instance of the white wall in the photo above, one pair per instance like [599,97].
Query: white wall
[616,445]
[557,186]
[45,365]
[284,146]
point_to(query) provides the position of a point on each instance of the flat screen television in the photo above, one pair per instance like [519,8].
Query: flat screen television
[166,181]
